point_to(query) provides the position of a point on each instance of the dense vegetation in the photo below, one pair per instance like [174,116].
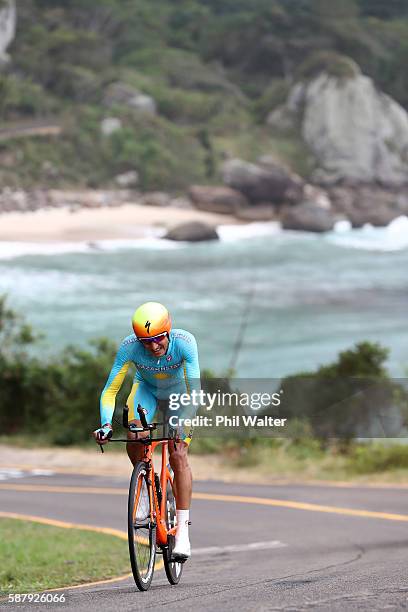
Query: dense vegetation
[214,67]
[48,401]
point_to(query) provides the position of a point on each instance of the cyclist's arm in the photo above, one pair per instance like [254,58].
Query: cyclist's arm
[191,372]
[113,384]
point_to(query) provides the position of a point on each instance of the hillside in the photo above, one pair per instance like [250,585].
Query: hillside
[170,89]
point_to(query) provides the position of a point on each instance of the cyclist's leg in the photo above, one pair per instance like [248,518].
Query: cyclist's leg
[140,394]
[183,485]
[183,479]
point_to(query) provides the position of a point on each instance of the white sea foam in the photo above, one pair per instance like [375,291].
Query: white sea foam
[11,250]
[153,239]
[393,237]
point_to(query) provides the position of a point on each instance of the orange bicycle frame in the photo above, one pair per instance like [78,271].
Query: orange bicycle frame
[156,511]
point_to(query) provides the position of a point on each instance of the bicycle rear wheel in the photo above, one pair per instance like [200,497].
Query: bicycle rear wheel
[141,528]
[172,568]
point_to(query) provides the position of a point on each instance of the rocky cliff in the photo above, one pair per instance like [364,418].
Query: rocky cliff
[8,20]
[355,131]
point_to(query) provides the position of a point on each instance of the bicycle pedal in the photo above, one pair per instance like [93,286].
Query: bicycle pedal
[179,558]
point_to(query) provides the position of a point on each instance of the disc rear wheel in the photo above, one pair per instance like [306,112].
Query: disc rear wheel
[141,528]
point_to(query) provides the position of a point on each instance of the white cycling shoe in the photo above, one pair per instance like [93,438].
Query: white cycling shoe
[182,549]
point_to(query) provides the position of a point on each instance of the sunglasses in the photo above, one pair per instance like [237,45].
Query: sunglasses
[156,339]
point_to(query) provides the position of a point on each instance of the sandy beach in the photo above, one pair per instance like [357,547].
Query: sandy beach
[106,223]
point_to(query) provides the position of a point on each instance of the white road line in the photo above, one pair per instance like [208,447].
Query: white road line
[38,472]
[220,550]
[7,474]
[10,473]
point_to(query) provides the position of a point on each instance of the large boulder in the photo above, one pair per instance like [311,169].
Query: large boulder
[223,200]
[262,182]
[342,199]
[192,231]
[110,125]
[356,132]
[373,205]
[401,203]
[368,204]
[307,217]
[369,197]
[8,22]
[378,217]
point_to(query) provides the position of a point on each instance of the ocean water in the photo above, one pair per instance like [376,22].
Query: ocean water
[296,299]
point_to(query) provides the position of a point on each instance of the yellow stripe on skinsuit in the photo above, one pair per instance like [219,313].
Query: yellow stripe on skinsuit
[130,403]
[188,439]
[109,395]
[185,376]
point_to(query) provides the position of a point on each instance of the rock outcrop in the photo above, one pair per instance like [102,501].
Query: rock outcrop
[8,22]
[307,217]
[379,217]
[122,93]
[355,131]
[223,200]
[262,182]
[194,231]
[109,125]
[369,204]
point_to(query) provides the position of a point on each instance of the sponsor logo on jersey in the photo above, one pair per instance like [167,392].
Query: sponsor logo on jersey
[173,366]
[183,336]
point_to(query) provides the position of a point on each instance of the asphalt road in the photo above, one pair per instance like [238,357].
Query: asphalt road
[280,547]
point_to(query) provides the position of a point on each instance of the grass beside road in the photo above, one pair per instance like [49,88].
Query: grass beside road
[36,557]
[305,460]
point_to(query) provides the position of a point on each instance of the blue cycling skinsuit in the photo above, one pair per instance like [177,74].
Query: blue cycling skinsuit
[156,378]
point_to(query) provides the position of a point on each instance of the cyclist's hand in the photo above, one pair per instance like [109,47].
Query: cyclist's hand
[103,434]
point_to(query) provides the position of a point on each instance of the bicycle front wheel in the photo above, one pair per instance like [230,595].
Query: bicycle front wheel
[141,528]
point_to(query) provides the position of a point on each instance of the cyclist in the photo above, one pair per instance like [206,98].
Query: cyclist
[166,362]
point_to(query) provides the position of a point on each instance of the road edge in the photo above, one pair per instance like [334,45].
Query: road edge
[82,527]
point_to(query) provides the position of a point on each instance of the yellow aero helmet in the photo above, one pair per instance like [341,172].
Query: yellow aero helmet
[151,319]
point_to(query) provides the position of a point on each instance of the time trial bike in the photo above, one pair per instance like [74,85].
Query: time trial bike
[151,507]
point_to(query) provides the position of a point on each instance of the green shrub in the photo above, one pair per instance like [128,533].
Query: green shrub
[351,397]
[332,63]
[58,398]
[78,83]
[376,457]
[165,156]
[19,97]
[187,106]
